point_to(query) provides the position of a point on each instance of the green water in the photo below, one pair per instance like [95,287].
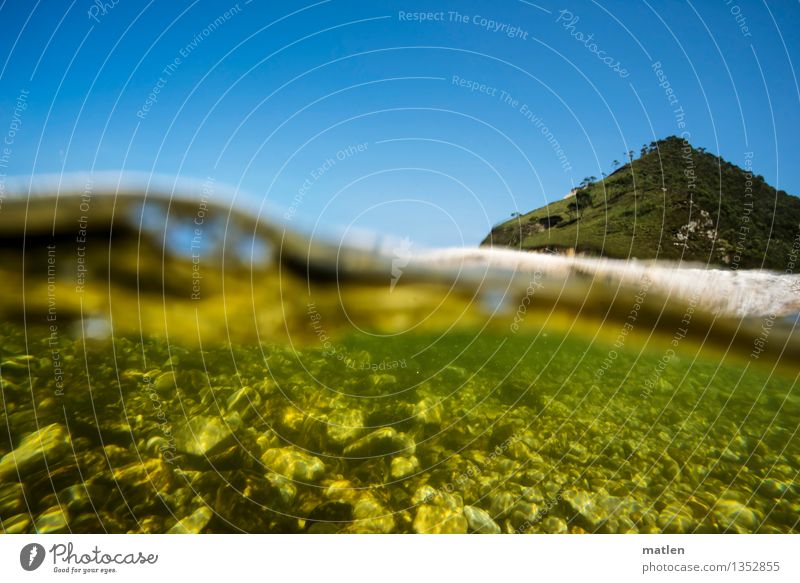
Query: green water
[539,432]
[146,391]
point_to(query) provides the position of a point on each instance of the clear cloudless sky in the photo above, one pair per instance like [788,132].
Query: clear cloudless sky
[352,115]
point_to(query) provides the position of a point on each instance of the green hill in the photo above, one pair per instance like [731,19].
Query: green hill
[674,202]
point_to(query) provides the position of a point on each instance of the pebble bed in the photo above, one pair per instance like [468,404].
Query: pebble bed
[461,437]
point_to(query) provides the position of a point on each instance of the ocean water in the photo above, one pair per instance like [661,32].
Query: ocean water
[181,376]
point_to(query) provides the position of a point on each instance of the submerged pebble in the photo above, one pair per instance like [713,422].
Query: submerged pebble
[480,521]
[202,435]
[193,524]
[432,519]
[345,426]
[381,442]
[294,465]
[51,521]
[403,467]
[735,516]
[40,449]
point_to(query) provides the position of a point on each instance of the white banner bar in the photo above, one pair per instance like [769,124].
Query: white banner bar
[401,558]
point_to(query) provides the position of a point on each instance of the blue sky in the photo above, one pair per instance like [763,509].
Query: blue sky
[353,116]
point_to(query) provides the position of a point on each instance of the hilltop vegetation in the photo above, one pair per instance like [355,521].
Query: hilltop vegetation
[674,202]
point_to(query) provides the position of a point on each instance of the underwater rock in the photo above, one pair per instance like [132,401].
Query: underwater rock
[284,488]
[676,518]
[370,517]
[141,480]
[194,523]
[735,516]
[381,442]
[12,499]
[345,425]
[52,520]
[202,435]
[17,524]
[159,446]
[342,490]
[583,510]
[242,502]
[80,497]
[503,435]
[425,495]
[480,521]
[773,488]
[294,465]
[116,455]
[432,519]
[523,515]
[428,413]
[439,512]
[501,503]
[554,525]
[291,421]
[577,453]
[402,467]
[383,380]
[245,401]
[165,383]
[21,422]
[43,448]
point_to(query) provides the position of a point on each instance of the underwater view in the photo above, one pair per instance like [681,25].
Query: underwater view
[275,272]
[153,381]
